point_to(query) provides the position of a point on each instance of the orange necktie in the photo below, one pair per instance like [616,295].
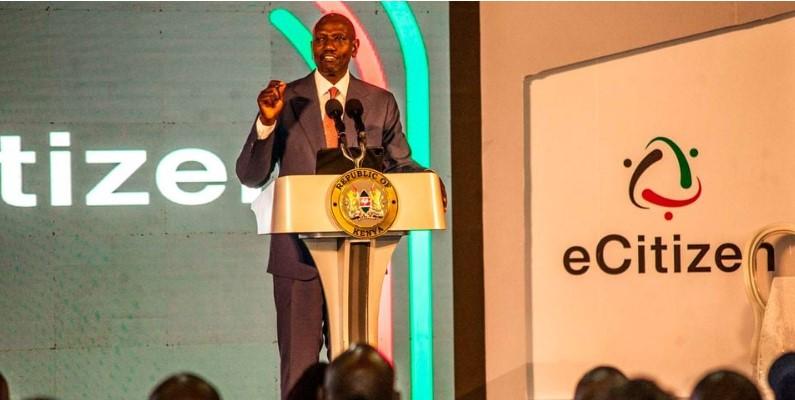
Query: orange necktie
[329,128]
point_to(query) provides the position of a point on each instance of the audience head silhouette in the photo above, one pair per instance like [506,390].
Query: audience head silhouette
[309,384]
[639,389]
[782,377]
[725,385]
[597,383]
[360,373]
[184,386]
[4,395]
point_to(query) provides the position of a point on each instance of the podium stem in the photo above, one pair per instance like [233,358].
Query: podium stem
[359,292]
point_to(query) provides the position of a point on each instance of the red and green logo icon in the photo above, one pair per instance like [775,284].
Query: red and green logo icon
[652,197]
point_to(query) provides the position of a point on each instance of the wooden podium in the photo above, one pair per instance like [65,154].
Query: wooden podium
[351,270]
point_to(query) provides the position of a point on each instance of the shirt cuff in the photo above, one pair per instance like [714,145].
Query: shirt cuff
[264,131]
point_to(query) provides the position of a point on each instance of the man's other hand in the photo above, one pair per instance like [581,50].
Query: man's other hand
[271,102]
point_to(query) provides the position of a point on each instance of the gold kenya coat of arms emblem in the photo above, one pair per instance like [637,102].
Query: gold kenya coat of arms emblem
[363,203]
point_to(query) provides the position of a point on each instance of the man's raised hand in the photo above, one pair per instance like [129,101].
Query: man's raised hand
[271,102]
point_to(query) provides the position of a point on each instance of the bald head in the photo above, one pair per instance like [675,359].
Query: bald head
[334,18]
[184,386]
[725,385]
[598,382]
[639,389]
[360,373]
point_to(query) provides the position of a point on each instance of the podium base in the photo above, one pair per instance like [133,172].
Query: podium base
[352,274]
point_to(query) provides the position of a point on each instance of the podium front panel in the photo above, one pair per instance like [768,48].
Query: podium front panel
[300,203]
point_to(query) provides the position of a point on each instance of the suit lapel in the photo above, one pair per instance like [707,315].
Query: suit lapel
[357,89]
[306,108]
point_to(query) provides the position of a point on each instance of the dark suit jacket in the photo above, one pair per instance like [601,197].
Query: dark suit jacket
[294,145]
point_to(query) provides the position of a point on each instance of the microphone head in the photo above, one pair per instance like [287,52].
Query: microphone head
[334,108]
[354,108]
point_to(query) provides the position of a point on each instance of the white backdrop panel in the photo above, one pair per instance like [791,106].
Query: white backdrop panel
[726,102]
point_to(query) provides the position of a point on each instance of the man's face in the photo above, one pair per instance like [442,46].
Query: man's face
[333,44]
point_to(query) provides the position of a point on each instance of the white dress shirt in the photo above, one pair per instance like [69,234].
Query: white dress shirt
[323,85]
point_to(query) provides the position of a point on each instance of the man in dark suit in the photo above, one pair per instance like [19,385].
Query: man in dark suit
[289,130]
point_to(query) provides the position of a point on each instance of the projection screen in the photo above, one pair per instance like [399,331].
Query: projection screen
[128,251]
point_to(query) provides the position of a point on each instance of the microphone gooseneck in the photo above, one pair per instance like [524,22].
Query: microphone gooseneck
[354,110]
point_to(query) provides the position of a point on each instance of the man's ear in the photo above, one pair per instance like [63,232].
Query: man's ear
[355,47]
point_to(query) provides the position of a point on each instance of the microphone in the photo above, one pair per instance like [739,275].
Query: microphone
[334,111]
[354,110]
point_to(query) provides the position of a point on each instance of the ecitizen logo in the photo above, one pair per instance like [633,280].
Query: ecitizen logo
[616,254]
[685,177]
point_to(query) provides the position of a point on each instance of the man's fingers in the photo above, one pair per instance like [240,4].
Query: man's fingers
[270,98]
[265,98]
[278,90]
[275,91]
[276,85]
[269,93]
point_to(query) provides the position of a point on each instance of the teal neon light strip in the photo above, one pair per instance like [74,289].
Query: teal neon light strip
[295,32]
[415,61]
[421,315]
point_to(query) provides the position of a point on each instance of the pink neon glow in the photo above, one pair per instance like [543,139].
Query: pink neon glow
[385,317]
[367,61]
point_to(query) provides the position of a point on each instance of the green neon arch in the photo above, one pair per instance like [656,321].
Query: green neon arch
[295,32]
